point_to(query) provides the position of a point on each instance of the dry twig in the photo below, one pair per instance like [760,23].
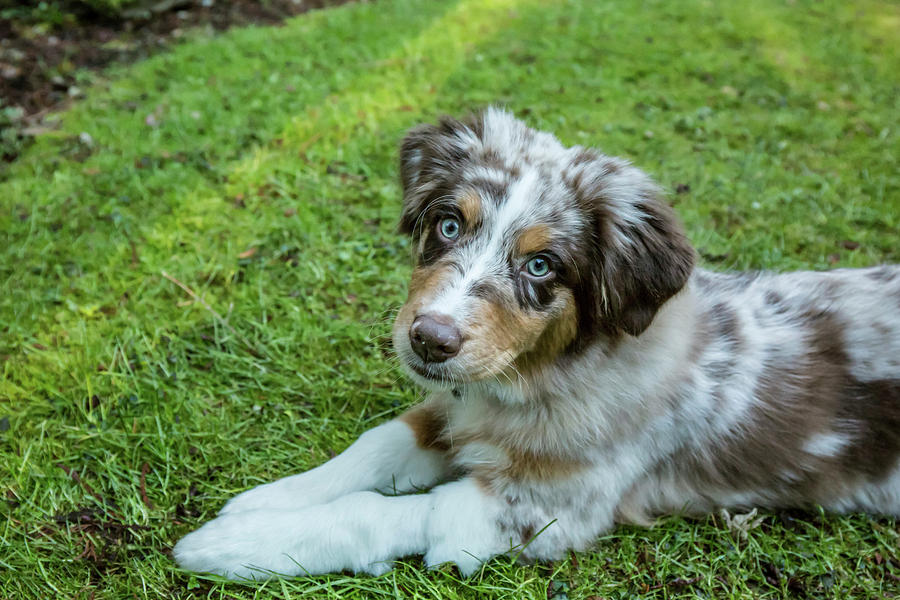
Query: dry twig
[145,468]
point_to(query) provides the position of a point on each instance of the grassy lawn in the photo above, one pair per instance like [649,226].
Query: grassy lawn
[258,170]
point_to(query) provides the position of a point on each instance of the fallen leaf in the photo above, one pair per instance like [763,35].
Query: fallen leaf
[248,252]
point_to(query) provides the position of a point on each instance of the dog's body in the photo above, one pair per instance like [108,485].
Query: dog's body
[583,373]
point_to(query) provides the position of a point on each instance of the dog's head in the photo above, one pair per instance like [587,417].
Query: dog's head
[526,251]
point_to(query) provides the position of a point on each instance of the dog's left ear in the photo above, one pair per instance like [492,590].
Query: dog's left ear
[430,158]
[641,256]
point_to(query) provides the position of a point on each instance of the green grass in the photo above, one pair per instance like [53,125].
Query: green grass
[259,169]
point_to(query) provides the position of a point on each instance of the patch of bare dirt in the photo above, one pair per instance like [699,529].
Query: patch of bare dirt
[39,63]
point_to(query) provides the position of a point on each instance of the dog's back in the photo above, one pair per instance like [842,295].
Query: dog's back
[797,376]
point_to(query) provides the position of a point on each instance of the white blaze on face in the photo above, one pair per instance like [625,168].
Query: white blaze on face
[487,254]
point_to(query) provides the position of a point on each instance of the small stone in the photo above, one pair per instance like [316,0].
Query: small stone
[75,92]
[9,71]
[85,138]
[14,54]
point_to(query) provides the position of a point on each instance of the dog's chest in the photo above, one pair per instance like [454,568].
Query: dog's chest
[514,444]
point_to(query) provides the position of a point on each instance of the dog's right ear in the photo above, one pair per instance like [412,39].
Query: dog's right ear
[430,161]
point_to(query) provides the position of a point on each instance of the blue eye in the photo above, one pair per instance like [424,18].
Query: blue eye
[450,228]
[539,266]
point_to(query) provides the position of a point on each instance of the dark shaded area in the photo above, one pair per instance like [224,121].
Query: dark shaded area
[42,52]
[106,540]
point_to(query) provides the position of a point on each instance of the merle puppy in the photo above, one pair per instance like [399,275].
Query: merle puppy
[582,372]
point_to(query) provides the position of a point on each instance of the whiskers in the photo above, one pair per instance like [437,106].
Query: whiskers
[385,317]
[379,334]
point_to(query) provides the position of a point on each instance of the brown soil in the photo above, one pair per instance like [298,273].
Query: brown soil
[38,65]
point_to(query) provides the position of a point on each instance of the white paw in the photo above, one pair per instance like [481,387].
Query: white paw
[235,546]
[264,543]
[464,528]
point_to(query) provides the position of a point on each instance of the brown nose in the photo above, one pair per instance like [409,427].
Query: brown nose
[434,337]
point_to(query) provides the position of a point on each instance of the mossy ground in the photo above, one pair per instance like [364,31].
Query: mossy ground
[258,168]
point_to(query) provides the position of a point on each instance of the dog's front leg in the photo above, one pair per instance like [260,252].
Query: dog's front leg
[395,457]
[364,532]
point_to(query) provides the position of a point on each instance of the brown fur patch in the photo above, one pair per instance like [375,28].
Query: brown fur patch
[525,534]
[533,239]
[524,466]
[521,463]
[470,207]
[426,278]
[532,466]
[876,449]
[428,425]
[556,337]
[498,336]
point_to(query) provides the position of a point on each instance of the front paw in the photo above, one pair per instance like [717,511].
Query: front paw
[262,544]
[234,546]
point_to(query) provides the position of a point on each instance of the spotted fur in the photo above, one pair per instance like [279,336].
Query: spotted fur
[624,384]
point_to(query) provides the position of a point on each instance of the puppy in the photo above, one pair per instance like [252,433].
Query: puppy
[582,373]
